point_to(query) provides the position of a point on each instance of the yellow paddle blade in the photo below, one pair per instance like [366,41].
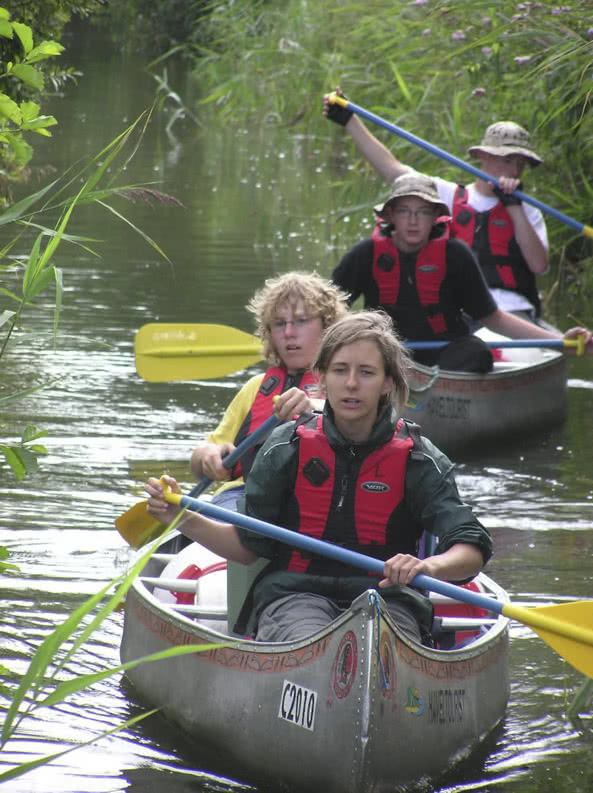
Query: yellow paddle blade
[567,628]
[179,351]
[137,526]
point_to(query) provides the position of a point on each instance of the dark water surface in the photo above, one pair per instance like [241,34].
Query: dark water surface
[255,203]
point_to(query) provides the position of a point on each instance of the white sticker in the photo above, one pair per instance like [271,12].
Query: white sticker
[298,705]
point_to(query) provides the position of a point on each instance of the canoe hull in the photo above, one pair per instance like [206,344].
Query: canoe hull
[352,709]
[458,410]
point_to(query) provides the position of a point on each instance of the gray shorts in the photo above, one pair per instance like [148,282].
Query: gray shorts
[295,617]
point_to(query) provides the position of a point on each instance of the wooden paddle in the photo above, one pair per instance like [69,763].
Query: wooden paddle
[567,628]
[179,351]
[360,111]
[137,526]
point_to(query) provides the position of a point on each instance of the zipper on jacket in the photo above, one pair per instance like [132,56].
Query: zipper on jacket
[344,481]
[343,491]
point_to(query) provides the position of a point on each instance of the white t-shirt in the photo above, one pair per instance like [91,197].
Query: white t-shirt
[505,298]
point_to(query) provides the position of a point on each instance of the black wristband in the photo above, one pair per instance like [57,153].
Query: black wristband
[340,115]
[505,199]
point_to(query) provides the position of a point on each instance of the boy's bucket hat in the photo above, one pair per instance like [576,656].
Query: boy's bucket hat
[506,137]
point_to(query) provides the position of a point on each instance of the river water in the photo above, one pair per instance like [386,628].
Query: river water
[254,203]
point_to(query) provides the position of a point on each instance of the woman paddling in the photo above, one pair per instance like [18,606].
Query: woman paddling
[358,476]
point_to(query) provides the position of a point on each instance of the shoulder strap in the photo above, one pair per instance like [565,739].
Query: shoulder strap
[417,451]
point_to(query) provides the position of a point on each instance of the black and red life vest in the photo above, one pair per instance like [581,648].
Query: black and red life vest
[379,489]
[276,381]
[431,268]
[491,235]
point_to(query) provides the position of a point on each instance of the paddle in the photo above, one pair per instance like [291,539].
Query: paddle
[566,627]
[137,526]
[360,111]
[170,351]
[178,351]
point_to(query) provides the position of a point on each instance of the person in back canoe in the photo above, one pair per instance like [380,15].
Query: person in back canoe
[429,283]
[358,476]
[291,312]
[509,237]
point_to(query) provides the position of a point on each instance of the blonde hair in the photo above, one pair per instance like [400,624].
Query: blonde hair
[373,326]
[320,298]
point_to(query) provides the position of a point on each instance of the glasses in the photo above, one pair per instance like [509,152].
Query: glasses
[424,213]
[515,159]
[300,322]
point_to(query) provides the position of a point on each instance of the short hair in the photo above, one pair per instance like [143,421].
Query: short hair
[320,297]
[373,326]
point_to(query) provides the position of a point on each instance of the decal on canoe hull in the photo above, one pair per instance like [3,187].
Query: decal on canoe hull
[298,705]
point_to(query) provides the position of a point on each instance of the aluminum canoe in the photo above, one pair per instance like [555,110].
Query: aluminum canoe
[356,708]
[525,393]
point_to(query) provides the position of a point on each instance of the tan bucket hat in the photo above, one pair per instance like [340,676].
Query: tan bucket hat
[506,137]
[414,184]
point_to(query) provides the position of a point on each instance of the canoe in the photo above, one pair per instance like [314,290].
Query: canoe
[525,393]
[355,708]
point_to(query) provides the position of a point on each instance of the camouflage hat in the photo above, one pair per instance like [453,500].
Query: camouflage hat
[506,137]
[415,184]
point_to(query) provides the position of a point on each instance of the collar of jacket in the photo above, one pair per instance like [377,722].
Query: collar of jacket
[382,431]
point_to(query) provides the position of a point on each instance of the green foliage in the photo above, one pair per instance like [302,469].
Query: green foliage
[22,458]
[21,116]
[37,270]
[443,70]
[157,26]
[48,682]
[47,19]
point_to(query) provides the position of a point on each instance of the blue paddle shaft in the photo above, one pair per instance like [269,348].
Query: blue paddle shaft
[259,434]
[435,345]
[313,545]
[360,111]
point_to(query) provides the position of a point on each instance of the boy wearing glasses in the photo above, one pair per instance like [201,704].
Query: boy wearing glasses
[508,237]
[428,282]
[291,312]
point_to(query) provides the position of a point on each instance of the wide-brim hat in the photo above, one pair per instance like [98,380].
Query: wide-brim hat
[506,137]
[414,184]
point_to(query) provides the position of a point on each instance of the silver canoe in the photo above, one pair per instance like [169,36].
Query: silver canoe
[522,395]
[357,708]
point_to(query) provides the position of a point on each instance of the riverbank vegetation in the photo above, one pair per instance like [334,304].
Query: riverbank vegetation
[29,70]
[441,70]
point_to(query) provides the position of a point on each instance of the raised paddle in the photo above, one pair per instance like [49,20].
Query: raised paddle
[360,111]
[182,351]
[567,628]
[137,526]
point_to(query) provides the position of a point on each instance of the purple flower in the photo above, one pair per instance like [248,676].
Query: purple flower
[521,59]
[486,50]
[518,17]
[458,35]
[426,32]
[418,2]
[479,92]
[486,21]
[589,33]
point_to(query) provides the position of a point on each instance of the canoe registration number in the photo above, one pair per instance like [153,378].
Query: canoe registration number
[298,705]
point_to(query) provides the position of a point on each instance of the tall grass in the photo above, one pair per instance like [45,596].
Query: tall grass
[48,680]
[443,70]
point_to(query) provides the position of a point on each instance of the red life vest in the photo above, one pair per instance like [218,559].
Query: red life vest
[431,268]
[379,489]
[276,380]
[491,235]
